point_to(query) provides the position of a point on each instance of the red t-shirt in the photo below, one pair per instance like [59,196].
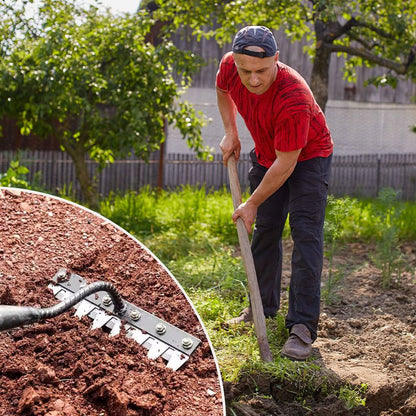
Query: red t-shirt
[284,118]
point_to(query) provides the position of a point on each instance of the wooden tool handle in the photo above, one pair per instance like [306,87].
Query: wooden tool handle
[253,286]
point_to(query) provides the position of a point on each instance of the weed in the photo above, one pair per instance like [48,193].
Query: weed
[388,256]
[353,396]
[338,212]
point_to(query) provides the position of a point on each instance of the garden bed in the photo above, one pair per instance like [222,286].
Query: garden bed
[366,339]
[63,368]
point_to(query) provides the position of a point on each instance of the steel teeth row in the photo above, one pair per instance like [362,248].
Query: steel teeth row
[156,348]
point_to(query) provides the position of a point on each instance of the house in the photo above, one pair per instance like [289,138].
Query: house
[362,119]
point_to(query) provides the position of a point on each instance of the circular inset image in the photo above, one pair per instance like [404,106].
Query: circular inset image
[91,322]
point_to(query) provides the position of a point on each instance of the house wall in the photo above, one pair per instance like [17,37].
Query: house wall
[363,119]
[356,127]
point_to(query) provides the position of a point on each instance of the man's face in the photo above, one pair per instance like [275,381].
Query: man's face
[256,74]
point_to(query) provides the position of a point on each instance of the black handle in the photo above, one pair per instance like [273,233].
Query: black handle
[15,316]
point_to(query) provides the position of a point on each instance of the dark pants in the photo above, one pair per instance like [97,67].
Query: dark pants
[303,196]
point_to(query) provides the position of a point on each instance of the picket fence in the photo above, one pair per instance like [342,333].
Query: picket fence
[357,175]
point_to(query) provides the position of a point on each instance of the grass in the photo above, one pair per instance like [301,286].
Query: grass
[190,230]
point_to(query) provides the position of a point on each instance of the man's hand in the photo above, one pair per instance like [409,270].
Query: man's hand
[230,145]
[247,212]
[274,178]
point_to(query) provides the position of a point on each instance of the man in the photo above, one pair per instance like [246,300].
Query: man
[291,162]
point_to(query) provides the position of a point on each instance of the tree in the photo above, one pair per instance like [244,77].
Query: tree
[94,82]
[367,32]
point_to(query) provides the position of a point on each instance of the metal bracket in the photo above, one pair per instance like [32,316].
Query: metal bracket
[160,338]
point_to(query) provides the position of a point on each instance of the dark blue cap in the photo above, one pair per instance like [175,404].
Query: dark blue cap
[255,36]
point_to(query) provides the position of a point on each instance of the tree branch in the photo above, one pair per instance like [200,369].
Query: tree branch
[362,42]
[399,68]
[374,29]
[336,30]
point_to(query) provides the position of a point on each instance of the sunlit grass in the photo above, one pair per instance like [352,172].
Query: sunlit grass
[190,230]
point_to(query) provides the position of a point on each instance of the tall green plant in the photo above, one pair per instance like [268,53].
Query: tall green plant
[338,214]
[388,256]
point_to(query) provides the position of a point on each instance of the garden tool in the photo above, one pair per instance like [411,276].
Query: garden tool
[253,286]
[101,302]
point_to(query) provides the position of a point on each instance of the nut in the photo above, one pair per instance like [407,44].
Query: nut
[160,328]
[187,343]
[135,315]
[107,301]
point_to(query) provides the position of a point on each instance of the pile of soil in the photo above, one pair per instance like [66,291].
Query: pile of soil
[367,335]
[63,368]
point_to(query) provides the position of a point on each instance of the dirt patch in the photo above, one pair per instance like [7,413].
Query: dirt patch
[366,336]
[63,368]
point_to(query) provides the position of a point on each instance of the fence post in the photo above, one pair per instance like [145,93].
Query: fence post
[378,174]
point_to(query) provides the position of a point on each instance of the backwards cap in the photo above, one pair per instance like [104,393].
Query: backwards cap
[255,36]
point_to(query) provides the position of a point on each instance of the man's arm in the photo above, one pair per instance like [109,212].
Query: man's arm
[231,142]
[274,178]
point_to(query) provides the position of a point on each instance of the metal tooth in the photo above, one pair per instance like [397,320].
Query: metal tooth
[100,320]
[116,327]
[157,349]
[136,334]
[55,289]
[175,359]
[83,308]
[59,292]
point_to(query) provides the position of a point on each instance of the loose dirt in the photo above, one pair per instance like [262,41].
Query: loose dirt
[63,368]
[367,336]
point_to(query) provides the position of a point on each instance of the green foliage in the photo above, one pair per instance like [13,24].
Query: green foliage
[388,256]
[185,210]
[353,396]
[338,212]
[368,33]
[191,231]
[16,176]
[93,81]
[96,76]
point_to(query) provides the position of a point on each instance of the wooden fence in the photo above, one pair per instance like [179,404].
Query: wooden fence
[362,175]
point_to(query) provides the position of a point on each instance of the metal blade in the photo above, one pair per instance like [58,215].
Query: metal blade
[136,334]
[175,359]
[100,320]
[157,348]
[83,308]
[116,328]
[160,338]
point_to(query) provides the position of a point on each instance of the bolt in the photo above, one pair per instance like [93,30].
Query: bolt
[160,328]
[107,300]
[187,343]
[61,275]
[135,315]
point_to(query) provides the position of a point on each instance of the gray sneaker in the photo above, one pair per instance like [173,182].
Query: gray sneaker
[298,347]
[246,317]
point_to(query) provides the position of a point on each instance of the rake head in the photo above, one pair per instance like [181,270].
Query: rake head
[102,303]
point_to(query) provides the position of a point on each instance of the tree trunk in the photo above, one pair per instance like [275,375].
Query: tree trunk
[88,187]
[320,74]
[320,70]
